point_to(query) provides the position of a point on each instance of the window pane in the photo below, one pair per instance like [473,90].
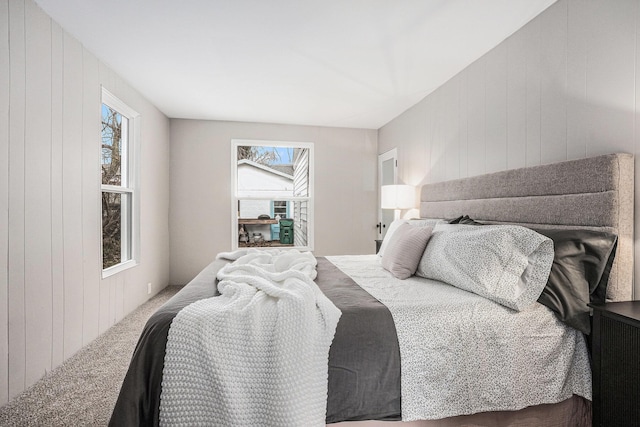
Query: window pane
[301,221]
[280,208]
[256,227]
[268,179]
[111,229]
[265,171]
[301,172]
[116,231]
[113,146]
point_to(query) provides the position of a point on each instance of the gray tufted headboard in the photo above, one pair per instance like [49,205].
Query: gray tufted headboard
[594,193]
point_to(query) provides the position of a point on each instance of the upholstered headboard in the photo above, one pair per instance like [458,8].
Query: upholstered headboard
[594,193]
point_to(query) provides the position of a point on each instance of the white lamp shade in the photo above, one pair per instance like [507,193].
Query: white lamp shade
[398,197]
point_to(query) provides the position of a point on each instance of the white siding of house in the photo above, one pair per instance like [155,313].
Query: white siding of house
[301,189]
[271,185]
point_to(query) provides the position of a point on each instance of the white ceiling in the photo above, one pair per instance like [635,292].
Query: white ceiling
[345,63]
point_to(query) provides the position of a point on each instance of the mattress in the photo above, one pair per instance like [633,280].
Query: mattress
[365,379]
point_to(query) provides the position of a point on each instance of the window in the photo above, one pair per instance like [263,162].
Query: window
[280,209]
[119,195]
[272,194]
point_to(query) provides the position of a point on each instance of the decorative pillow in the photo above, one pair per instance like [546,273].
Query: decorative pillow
[420,222]
[390,231]
[405,249]
[508,264]
[580,274]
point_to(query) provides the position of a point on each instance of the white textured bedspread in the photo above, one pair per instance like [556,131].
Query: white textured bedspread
[463,354]
[256,355]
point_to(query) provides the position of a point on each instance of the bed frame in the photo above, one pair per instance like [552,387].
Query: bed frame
[593,193]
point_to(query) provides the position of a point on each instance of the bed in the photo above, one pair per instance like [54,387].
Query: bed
[365,381]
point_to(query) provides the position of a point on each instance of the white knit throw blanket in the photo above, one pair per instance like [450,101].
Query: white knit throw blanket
[257,355]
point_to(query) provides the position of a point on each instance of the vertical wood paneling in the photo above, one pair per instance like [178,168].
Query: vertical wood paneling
[57,226]
[415,154]
[428,122]
[496,108]
[17,344]
[107,286]
[451,133]
[38,292]
[112,299]
[104,321]
[72,195]
[51,302]
[572,90]
[553,84]
[516,101]
[611,75]
[119,306]
[4,200]
[636,266]
[438,168]
[532,34]
[462,127]
[91,240]
[577,109]
[476,144]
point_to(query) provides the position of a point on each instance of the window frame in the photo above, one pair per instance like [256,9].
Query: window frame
[130,223]
[235,143]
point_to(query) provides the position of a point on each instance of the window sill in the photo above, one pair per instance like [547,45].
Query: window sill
[238,246]
[118,268]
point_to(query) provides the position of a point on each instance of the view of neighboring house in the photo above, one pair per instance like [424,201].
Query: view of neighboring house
[270,182]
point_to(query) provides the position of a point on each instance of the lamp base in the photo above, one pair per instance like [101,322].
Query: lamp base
[396,214]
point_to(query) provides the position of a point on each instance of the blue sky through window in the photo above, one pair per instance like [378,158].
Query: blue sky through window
[285,154]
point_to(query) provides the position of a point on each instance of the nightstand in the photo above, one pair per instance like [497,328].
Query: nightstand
[378,243]
[616,364]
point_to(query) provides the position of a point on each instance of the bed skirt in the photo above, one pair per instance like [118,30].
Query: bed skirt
[575,411]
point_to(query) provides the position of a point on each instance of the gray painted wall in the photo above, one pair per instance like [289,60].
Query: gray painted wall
[52,298]
[345,188]
[565,86]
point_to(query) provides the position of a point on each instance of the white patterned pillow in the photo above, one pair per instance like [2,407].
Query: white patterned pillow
[405,250]
[420,222]
[507,264]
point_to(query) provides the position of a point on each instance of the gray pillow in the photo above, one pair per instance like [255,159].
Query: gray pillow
[390,231]
[418,222]
[507,264]
[404,250]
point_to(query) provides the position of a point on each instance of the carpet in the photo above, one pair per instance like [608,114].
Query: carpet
[83,390]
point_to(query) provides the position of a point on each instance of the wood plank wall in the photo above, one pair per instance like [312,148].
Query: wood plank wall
[53,300]
[4,199]
[301,188]
[564,86]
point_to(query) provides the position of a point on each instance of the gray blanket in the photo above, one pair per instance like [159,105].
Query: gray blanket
[364,359]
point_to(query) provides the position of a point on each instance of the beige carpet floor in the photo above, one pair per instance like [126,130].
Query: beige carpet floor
[83,390]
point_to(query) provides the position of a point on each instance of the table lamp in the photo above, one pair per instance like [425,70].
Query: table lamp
[398,197]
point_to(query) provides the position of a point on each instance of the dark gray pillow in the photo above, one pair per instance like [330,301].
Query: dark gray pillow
[579,275]
[465,220]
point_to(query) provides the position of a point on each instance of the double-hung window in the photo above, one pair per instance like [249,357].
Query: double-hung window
[119,190]
[272,194]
